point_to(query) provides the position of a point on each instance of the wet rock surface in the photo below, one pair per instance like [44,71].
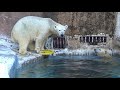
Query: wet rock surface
[10,59]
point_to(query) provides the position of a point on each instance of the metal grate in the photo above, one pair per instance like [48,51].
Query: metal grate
[59,43]
[93,40]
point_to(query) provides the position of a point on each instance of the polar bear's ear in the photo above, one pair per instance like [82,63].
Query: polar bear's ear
[66,26]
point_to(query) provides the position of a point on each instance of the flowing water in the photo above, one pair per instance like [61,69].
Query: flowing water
[72,67]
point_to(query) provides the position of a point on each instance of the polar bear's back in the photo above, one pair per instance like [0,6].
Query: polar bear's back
[30,26]
[32,21]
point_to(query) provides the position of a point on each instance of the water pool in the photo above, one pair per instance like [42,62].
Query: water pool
[72,67]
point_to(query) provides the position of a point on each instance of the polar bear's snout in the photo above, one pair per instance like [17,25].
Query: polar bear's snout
[62,35]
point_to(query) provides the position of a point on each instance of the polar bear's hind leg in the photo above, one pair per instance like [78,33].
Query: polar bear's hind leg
[23,47]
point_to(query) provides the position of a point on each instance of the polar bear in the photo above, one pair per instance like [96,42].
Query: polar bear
[103,52]
[37,29]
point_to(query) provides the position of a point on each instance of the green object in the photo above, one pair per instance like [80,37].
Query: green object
[46,52]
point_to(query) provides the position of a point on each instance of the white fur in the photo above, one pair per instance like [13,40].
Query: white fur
[104,52]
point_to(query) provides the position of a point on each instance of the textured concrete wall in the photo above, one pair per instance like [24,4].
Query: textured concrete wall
[8,19]
[79,22]
[89,22]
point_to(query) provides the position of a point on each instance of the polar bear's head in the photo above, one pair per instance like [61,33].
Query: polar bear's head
[100,50]
[60,29]
[103,52]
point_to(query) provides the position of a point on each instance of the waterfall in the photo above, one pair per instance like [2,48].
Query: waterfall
[117,29]
[116,41]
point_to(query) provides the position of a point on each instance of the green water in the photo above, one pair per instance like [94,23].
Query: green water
[72,67]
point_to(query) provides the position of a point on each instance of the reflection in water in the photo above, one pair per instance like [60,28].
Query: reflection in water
[72,67]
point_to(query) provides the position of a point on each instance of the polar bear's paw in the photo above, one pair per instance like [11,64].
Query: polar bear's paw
[29,53]
[37,49]
[23,52]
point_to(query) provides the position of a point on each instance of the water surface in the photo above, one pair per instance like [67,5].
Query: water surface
[72,67]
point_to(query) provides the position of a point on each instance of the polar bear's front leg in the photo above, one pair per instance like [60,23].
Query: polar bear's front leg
[38,44]
[43,44]
[37,48]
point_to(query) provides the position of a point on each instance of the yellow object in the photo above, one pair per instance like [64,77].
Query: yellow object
[46,52]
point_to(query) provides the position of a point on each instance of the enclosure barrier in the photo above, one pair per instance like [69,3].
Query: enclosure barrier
[93,39]
[61,43]
[56,43]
